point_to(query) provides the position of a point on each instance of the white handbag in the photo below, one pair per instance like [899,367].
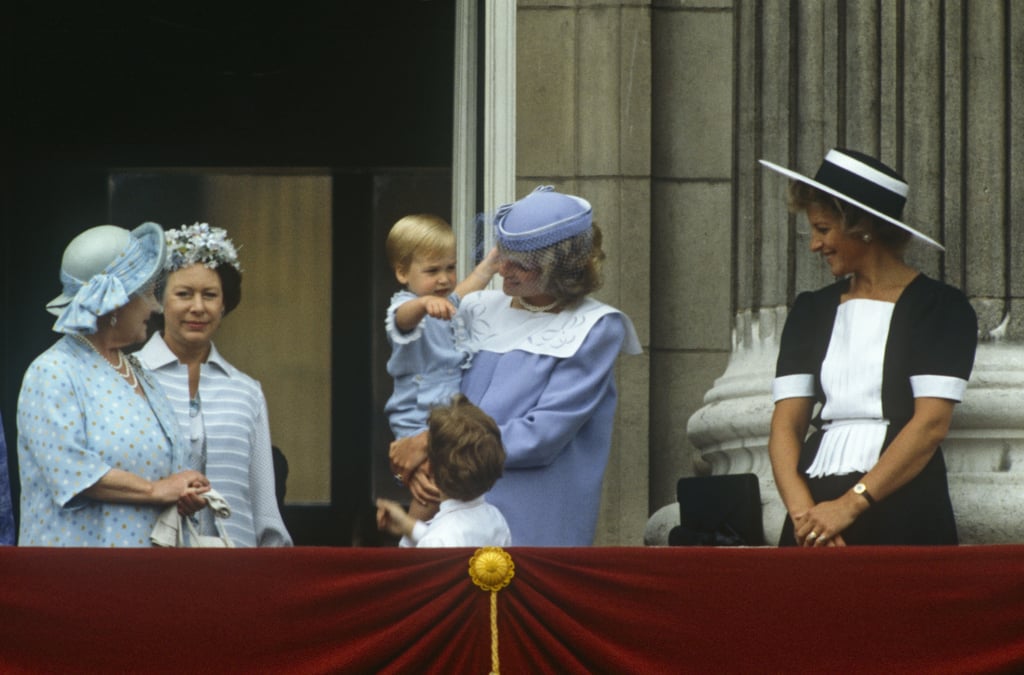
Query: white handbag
[169,530]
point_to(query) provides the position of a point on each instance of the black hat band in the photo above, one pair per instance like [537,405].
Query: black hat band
[861,189]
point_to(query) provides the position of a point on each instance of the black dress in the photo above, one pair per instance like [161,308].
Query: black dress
[932,332]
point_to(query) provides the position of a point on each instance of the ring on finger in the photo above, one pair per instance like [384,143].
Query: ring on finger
[812,535]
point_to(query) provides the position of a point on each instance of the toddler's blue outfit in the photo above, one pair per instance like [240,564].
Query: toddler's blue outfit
[425,365]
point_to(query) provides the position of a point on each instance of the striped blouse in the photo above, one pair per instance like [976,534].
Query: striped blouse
[235,430]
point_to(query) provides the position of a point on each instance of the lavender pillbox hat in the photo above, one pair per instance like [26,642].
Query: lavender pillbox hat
[541,219]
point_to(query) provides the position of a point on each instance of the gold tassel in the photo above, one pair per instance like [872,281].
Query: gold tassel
[491,568]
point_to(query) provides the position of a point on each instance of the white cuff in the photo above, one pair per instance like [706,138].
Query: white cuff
[419,530]
[792,386]
[938,386]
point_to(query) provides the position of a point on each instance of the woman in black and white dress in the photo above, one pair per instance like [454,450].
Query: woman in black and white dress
[886,351]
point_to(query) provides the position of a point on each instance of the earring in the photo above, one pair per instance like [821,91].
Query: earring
[866,238]
[113,320]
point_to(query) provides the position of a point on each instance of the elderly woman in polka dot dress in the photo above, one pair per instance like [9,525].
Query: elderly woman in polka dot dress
[100,451]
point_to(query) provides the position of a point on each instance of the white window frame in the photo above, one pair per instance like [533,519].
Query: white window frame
[499,119]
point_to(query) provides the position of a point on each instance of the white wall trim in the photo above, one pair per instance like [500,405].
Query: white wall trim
[499,103]
[464,132]
[499,119]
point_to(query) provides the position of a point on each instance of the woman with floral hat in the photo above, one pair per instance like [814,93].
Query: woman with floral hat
[885,351]
[542,367]
[99,450]
[221,410]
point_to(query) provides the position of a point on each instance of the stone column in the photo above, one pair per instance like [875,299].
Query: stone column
[692,280]
[928,87]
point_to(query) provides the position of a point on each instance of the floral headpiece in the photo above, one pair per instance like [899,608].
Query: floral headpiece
[200,243]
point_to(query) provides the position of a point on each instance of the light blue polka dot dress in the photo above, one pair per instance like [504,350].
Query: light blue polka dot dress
[77,420]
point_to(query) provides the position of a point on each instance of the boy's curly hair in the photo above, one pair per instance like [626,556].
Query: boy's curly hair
[464,448]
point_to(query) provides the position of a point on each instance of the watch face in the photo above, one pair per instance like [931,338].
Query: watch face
[859,488]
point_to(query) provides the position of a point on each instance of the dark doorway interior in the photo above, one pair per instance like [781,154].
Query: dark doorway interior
[350,87]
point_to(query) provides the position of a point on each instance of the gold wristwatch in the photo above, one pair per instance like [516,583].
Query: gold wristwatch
[862,490]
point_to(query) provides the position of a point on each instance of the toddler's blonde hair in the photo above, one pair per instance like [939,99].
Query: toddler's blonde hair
[420,234]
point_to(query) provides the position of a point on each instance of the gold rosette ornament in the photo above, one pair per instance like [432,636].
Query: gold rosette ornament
[491,568]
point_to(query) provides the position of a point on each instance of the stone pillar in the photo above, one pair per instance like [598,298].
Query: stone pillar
[692,279]
[930,91]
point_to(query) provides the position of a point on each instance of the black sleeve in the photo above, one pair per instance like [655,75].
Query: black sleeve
[797,348]
[947,336]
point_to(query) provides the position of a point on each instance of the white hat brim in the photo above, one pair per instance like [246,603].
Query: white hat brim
[836,193]
[57,305]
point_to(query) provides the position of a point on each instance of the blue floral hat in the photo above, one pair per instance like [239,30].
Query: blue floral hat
[200,243]
[101,269]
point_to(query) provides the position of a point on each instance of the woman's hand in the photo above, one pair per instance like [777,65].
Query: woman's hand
[408,461]
[790,421]
[191,501]
[421,485]
[185,488]
[406,455]
[169,490]
[823,523]
[902,460]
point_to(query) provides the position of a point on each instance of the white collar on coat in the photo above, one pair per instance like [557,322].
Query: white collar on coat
[487,321]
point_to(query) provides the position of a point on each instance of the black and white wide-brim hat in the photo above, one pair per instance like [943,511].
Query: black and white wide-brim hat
[864,182]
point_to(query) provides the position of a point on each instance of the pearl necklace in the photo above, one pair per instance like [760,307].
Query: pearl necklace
[122,363]
[536,308]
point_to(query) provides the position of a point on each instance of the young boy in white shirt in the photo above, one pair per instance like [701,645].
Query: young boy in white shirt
[465,457]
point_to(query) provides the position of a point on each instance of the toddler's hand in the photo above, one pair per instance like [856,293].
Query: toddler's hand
[439,308]
[489,265]
[392,518]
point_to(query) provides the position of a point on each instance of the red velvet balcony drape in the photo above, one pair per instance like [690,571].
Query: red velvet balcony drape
[596,610]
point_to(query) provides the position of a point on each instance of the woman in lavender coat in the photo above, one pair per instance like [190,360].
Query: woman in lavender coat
[542,367]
